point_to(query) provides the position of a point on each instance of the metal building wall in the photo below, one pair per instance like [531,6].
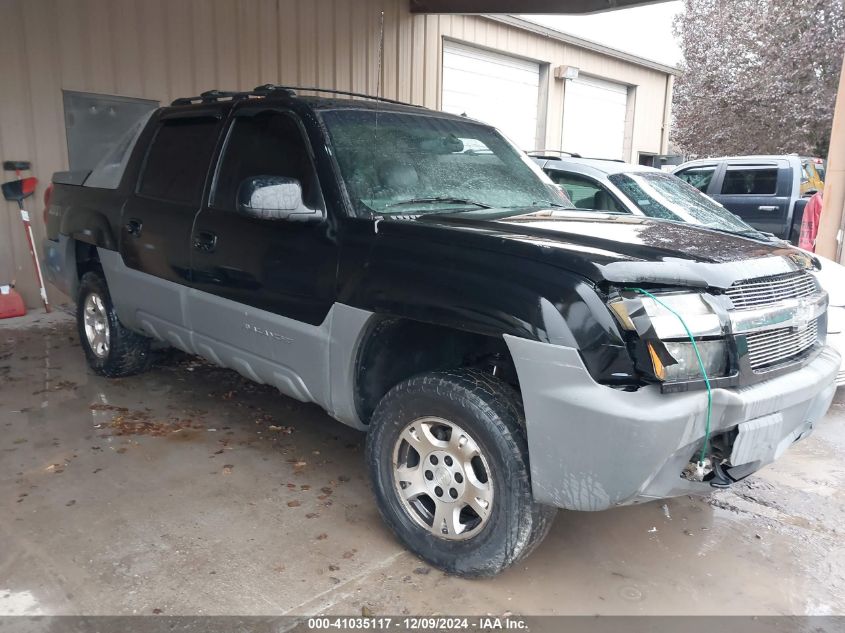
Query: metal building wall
[162,49]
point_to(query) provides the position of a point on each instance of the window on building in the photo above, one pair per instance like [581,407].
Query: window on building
[750,181]
[177,161]
[698,177]
[267,144]
[95,123]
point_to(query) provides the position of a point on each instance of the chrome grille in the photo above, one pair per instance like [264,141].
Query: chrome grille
[772,347]
[769,291]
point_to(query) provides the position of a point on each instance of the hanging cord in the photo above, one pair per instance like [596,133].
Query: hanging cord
[703,453]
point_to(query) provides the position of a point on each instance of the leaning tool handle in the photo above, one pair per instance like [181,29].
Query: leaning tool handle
[19,190]
[27,227]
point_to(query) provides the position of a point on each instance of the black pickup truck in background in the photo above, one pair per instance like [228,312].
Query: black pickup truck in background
[767,192]
[419,278]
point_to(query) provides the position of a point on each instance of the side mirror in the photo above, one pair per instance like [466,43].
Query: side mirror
[275,198]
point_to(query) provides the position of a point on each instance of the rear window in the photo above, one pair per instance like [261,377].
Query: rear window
[109,171]
[750,181]
[178,158]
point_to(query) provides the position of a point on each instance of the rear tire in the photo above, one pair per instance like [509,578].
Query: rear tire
[448,460]
[111,349]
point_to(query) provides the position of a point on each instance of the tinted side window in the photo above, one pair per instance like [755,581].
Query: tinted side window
[752,182]
[267,144]
[698,177]
[178,158]
[584,192]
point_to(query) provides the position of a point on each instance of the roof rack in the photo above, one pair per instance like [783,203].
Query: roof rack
[271,90]
[346,93]
[542,152]
[210,96]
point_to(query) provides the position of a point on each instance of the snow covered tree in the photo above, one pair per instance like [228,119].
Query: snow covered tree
[758,77]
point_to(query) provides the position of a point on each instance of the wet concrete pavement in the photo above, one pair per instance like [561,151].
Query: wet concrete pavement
[188,490]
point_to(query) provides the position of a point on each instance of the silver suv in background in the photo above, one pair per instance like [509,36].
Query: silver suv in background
[618,187]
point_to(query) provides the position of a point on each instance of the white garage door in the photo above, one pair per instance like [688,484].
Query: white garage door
[501,90]
[594,117]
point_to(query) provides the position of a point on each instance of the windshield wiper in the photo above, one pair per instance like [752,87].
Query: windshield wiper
[446,199]
[752,234]
[549,203]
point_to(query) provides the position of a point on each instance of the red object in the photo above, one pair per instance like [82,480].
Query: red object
[29,186]
[48,194]
[810,223]
[11,304]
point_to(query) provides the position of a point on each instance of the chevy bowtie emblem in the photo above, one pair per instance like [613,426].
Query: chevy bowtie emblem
[803,315]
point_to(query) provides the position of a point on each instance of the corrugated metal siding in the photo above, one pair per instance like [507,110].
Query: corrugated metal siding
[162,49]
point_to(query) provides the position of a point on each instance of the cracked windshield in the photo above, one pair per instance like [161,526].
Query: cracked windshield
[406,164]
[666,197]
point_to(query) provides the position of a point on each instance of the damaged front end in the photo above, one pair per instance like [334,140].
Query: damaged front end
[769,379]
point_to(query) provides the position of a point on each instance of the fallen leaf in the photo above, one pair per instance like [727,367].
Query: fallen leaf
[311,515]
[334,567]
[227,469]
[157,611]
[71,502]
[349,554]
[322,537]
[422,571]
[326,490]
[294,504]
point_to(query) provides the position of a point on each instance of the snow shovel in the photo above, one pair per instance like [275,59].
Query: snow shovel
[18,191]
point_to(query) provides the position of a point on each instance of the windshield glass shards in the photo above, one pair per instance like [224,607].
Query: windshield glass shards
[397,163]
[667,197]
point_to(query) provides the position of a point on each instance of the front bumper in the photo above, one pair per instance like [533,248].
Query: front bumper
[593,447]
[837,342]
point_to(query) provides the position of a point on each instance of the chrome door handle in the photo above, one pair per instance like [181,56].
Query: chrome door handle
[768,207]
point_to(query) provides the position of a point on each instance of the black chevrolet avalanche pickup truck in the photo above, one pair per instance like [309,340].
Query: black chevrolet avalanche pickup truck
[419,278]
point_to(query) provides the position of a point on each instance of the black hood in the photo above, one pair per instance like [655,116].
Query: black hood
[623,248]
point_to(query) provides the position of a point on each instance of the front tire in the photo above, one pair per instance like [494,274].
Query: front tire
[111,349]
[448,460]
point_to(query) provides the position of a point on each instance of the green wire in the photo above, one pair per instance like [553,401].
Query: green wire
[700,366]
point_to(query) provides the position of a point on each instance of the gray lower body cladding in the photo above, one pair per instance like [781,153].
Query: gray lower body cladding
[593,447]
[312,363]
[58,261]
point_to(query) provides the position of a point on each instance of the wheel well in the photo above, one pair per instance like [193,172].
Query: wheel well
[395,349]
[87,259]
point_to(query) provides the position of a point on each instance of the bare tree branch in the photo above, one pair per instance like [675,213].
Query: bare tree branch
[759,76]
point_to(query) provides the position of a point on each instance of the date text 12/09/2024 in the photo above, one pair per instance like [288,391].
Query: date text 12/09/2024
[410,623]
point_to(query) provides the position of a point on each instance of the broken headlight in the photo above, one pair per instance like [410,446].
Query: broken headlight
[664,324]
[714,357]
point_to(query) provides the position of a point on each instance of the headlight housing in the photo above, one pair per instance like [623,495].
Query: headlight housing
[671,354]
[714,356]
